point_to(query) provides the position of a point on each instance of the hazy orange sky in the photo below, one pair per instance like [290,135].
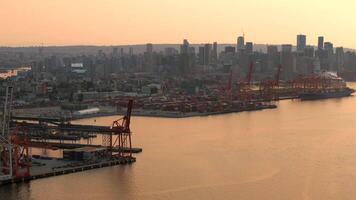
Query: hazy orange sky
[115,22]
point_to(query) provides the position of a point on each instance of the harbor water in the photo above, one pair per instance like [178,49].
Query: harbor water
[301,150]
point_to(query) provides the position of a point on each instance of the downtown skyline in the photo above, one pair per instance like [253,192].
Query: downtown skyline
[125,23]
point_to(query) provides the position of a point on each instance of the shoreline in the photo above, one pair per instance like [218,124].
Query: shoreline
[30,113]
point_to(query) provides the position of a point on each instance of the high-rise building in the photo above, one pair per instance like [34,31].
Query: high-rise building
[301,42]
[131,52]
[115,52]
[215,53]
[230,49]
[149,48]
[329,47]
[207,54]
[287,61]
[122,52]
[170,51]
[201,55]
[184,48]
[320,42]
[287,48]
[339,53]
[309,51]
[249,47]
[240,42]
[272,49]
[273,59]
[191,50]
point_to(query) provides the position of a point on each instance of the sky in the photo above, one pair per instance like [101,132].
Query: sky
[120,22]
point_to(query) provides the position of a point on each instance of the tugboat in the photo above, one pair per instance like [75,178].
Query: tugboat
[324,86]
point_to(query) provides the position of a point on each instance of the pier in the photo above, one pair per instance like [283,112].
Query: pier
[22,133]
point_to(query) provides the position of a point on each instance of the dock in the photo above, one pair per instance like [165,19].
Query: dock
[57,167]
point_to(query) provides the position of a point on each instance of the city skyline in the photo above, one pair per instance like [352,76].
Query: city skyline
[117,22]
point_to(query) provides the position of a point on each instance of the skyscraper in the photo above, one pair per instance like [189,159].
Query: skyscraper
[339,52]
[329,47]
[309,51]
[287,61]
[201,55]
[272,49]
[122,52]
[207,54]
[115,52]
[249,47]
[240,43]
[273,59]
[149,57]
[215,53]
[149,48]
[286,48]
[301,42]
[184,48]
[320,42]
[230,49]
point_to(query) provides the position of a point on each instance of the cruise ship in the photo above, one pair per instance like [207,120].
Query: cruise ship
[330,86]
[327,94]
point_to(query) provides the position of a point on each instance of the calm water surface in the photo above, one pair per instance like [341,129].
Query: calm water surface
[301,150]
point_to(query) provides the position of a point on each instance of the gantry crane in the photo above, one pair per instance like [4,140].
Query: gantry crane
[15,160]
[119,139]
[268,87]
[244,92]
[6,149]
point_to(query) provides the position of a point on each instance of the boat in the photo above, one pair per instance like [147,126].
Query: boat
[321,85]
[344,92]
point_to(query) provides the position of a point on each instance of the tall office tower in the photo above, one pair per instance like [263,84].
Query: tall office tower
[201,55]
[148,55]
[122,52]
[170,51]
[339,53]
[240,43]
[309,51]
[320,42]
[272,49]
[131,52]
[249,47]
[215,53]
[184,48]
[301,42]
[149,48]
[273,59]
[192,57]
[287,61]
[329,47]
[207,54]
[230,50]
[115,52]
[286,48]
[191,50]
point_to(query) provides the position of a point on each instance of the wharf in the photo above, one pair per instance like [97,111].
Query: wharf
[57,167]
[108,111]
[60,145]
